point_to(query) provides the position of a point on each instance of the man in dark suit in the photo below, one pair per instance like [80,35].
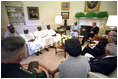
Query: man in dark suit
[94,30]
[12,52]
[99,48]
[107,64]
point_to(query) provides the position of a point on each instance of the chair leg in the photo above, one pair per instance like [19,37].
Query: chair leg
[55,50]
[65,54]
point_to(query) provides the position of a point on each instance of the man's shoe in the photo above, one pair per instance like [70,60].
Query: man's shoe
[40,52]
[37,54]
[52,47]
[46,49]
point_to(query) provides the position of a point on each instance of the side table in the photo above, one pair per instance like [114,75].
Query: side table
[60,46]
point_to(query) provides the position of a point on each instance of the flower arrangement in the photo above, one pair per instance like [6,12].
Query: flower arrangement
[64,38]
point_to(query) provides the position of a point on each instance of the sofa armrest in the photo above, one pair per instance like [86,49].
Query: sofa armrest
[97,75]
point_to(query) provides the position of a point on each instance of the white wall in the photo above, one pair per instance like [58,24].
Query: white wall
[4,19]
[49,9]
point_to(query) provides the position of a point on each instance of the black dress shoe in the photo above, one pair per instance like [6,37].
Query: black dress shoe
[37,54]
[52,47]
[40,52]
[46,49]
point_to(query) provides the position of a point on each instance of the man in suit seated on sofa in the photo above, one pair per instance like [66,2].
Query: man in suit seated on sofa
[106,64]
[94,30]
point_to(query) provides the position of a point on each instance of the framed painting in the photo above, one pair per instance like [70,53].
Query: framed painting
[65,5]
[33,13]
[92,6]
[65,15]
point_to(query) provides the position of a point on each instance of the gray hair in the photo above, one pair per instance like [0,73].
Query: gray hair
[11,47]
[112,48]
[114,36]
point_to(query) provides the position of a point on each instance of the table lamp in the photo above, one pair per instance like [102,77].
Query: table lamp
[58,20]
[112,21]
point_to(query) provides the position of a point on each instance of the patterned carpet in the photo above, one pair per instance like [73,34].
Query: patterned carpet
[48,58]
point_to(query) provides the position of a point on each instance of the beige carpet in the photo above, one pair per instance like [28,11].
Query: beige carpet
[48,58]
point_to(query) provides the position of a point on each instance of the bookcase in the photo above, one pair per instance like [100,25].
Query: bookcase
[15,15]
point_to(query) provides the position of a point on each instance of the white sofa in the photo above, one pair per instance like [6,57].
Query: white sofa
[99,75]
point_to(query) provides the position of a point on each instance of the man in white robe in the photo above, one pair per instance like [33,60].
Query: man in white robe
[43,38]
[32,43]
[74,30]
[56,37]
[11,31]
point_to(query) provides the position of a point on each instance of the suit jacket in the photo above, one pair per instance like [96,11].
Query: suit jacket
[17,71]
[104,65]
[95,30]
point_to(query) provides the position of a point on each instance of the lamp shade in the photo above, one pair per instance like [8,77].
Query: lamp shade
[58,19]
[112,21]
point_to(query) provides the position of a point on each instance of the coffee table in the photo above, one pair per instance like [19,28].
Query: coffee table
[60,46]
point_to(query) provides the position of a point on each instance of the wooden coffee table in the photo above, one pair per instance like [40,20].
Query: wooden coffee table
[60,46]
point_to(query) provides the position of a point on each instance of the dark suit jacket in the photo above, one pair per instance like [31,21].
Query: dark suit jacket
[104,65]
[17,71]
[95,30]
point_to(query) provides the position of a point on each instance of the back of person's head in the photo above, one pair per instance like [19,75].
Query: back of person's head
[11,47]
[112,37]
[112,49]
[73,47]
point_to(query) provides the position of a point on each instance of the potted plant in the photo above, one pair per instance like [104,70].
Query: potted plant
[102,14]
[90,15]
[79,14]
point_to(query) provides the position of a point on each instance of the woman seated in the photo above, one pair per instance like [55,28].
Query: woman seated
[75,66]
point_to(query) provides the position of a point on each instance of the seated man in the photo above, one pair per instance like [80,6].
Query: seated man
[107,64]
[99,49]
[94,30]
[12,52]
[11,31]
[74,30]
[32,43]
[56,37]
[76,66]
[43,38]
